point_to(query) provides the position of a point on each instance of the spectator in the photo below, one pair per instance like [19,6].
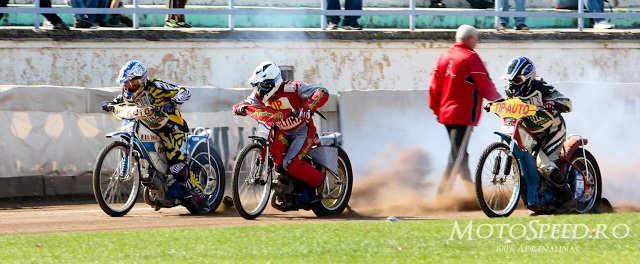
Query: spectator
[84,20]
[458,84]
[597,6]
[101,19]
[520,21]
[54,19]
[116,19]
[349,22]
[3,3]
[176,21]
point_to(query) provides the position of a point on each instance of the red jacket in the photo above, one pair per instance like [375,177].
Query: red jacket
[458,84]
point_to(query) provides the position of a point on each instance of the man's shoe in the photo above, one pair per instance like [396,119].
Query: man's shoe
[103,23]
[306,195]
[183,24]
[332,26]
[83,23]
[503,27]
[437,4]
[352,26]
[61,26]
[171,24]
[126,20]
[481,4]
[522,27]
[115,22]
[603,25]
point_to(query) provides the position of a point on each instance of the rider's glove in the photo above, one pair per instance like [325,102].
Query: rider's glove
[487,106]
[550,106]
[168,107]
[305,114]
[106,106]
[240,110]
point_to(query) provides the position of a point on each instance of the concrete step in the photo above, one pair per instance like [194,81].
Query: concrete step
[372,22]
[316,3]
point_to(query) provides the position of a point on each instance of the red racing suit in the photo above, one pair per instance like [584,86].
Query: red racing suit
[292,96]
[458,84]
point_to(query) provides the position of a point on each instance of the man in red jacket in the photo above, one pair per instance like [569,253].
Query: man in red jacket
[458,84]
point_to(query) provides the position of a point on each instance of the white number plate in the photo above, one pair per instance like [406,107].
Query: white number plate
[508,129]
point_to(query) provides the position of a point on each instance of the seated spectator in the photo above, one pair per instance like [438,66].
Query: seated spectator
[519,21]
[53,19]
[349,22]
[597,6]
[83,20]
[177,20]
[119,20]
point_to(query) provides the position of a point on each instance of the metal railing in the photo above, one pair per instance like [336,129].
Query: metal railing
[233,10]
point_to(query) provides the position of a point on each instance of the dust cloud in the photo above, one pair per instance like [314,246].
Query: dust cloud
[404,184]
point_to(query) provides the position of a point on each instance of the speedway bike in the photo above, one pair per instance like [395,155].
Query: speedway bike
[507,171]
[138,158]
[258,175]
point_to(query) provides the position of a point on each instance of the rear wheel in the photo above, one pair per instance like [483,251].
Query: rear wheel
[497,181]
[585,181]
[116,179]
[251,184]
[335,193]
[209,170]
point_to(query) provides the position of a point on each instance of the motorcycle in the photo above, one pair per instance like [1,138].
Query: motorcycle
[258,170]
[138,157]
[507,170]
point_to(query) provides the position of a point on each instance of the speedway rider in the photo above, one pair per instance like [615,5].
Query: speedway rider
[141,91]
[274,99]
[548,125]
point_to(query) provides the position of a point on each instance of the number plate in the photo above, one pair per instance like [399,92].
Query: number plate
[127,125]
[508,129]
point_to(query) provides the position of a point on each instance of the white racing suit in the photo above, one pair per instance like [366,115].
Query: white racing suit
[548,126]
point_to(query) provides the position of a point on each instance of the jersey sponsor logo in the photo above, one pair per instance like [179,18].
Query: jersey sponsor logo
[290,87]
[289,123]
[165,86]
[144,100]
[281,104]
[149,137]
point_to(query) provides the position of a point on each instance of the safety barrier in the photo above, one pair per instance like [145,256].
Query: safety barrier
[232,10]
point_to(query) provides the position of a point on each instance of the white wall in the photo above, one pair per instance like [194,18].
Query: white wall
[337,65]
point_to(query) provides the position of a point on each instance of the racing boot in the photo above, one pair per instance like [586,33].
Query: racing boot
[568,202]
[195,188]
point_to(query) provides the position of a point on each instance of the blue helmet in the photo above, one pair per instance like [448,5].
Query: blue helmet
[132,78]
[520,71]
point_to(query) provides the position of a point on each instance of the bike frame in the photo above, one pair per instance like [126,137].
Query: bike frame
[133,132]
[527,162]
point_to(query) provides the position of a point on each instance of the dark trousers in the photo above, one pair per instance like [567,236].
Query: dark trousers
[458,147]
[348,5]
[53,18]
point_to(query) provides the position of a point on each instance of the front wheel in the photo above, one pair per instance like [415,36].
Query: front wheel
[251,184]
[335,192]
[116,179]
[585,181]
[497,181]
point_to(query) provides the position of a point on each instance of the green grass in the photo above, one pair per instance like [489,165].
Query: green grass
[405,241]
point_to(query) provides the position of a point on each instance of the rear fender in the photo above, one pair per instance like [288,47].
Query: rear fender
[572,144]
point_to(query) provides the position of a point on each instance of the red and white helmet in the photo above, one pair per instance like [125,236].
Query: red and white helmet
[265,78]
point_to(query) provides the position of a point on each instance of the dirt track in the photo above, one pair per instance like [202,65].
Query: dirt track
[82,214]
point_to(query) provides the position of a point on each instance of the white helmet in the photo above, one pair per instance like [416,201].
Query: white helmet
[265,78]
